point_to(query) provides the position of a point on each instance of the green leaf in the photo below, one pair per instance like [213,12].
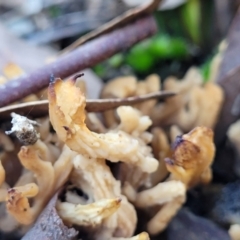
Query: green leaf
[140,57]
[191,17]
[166,47]
[116,60]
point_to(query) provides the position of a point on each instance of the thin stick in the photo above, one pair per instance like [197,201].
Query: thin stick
[92,105]
[83,57]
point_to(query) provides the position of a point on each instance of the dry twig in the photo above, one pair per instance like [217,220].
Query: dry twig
[40,108]
[83,57]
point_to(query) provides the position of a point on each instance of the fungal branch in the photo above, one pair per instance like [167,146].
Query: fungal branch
[42,177]
[68,120]
[128,143]
[149,172]
[190,165]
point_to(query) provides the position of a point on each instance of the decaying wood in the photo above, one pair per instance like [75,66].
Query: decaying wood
[83,57]
[40,108]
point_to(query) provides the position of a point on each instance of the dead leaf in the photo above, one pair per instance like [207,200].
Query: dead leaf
[40,108]
[49,226]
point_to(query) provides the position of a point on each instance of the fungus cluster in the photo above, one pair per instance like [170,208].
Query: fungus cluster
[143,157]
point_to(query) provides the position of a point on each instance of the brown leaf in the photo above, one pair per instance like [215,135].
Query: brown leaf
[40,108]
[49,226]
